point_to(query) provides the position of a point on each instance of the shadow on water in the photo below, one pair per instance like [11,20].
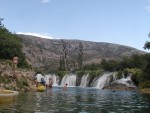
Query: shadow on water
[79,100]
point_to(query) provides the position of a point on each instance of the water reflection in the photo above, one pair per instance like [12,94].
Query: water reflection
[79,100]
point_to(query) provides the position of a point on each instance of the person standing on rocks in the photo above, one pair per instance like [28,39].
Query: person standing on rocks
[15,62]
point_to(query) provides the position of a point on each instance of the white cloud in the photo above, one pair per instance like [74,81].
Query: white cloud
[148,8]
[42,35]
[45,1]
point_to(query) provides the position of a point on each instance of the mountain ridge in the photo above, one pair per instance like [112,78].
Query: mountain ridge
[41,52]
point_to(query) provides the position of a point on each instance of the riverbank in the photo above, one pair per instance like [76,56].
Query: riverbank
[19,80]
[145,90]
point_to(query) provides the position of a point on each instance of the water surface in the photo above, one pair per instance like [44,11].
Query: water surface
[79,100]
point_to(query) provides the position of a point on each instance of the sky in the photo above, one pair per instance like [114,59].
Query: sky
[125,22]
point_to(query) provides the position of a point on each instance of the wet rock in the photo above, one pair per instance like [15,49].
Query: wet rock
[122,84]
[119,86]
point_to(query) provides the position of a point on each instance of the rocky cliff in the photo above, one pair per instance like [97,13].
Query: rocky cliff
[47,52]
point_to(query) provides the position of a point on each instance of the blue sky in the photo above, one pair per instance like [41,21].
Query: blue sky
[125,22]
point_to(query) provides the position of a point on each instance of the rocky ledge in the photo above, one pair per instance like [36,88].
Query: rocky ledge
[120,87]
[20,80]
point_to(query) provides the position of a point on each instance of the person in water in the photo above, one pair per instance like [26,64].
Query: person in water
[50,82]
[65,86]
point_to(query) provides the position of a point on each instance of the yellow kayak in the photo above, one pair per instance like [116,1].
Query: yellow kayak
[41,88]
[8,96]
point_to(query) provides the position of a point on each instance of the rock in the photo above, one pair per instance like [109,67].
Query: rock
[119,86]
[122,84]
[15,79]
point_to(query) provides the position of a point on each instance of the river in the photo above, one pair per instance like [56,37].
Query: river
[79,100]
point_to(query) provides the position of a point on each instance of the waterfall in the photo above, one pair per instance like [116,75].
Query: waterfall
[70,79]
[84,80]
[126,81]
[103,80]
[115,76]
[54,78]
[99,82]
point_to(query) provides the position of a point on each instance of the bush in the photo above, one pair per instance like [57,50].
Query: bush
[145,84]
[10,46]
[80,73]
[61,74]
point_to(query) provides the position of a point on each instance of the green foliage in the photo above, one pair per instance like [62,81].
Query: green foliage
[110,65]
[61,64]
[21,82]
[147,43]
[91,67]
[137,75]
[10,46]
[61,73]
[93,74]
[119,74]
[80,55]
[135,61]
[145,84]
[80,73]
[4,79]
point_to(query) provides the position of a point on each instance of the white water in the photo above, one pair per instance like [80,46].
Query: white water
[70,79]
[99,82]
[84,80]
[126,81]
[54,78]
[103,80]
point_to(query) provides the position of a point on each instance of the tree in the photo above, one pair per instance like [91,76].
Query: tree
[10,46]
[1,19]
[147,67]
[65,52]
[147,44]
[80,55]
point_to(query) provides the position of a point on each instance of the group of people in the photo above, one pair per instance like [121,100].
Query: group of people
[39,80]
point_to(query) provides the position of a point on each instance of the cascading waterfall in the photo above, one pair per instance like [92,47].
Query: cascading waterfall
[126,81]
[84,80]
[114,76]
[100,82]
[54,78]
[103,80]
[70,79]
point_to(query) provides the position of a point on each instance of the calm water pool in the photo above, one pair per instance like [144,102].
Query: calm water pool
[79,100]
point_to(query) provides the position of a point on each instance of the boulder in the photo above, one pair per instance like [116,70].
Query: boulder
[122,84]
